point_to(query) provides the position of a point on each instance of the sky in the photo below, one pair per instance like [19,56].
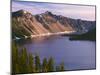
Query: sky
[84,12]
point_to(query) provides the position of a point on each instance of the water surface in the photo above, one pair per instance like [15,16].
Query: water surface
[75,54]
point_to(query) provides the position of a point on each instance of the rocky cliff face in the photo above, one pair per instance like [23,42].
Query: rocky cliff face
[49,21]
[26,24]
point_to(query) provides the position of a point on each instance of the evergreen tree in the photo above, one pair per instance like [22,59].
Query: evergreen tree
[50,65]
[24,61]
[44,65]
[14,58]
[17,69]
[30,64]
[62,66]
[37,64]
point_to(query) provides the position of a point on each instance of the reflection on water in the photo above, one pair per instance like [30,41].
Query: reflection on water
[75,54]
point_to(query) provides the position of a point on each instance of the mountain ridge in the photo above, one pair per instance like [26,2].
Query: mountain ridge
[26,24]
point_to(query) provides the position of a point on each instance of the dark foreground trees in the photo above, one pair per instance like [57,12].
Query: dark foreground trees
[24,62]
[50,64]
[45,65]
[60,67]
[37,64]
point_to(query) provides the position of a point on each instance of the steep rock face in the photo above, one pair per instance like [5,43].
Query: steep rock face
[51,23]
[26,24]
[76,24]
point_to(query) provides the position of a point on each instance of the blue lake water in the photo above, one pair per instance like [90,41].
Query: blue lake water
[75,54]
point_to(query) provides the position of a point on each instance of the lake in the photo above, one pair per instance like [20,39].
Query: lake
[75,54]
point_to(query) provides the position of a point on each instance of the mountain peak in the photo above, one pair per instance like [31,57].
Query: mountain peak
[23,11]
[20,13]
[48,13]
